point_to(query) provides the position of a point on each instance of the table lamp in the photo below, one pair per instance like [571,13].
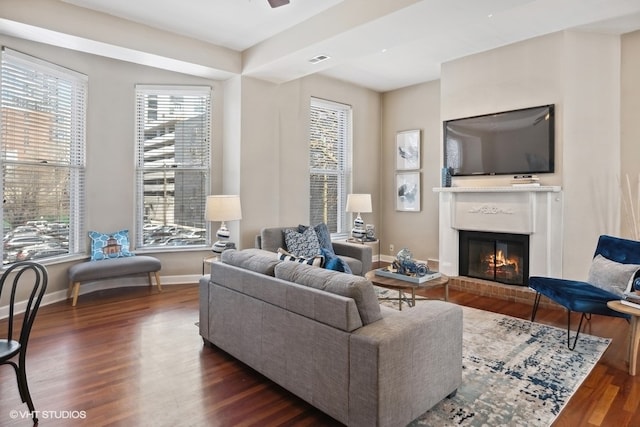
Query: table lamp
[222,208]
[359,203]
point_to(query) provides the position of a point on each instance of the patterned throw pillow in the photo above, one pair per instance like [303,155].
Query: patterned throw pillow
[324,237]
[286,256]
[109,245]
[304,244]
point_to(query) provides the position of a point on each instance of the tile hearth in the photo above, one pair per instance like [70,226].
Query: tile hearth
[521,294]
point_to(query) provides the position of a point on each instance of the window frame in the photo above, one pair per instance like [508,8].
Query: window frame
[62,94]
[203,169]
[343,171]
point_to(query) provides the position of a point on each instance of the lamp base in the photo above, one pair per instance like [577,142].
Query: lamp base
[358,231]
[219,246]
[223,239]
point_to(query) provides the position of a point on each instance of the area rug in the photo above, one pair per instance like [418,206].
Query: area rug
[515,373]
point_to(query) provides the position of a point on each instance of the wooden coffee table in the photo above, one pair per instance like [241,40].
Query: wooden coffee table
[403,286]
[634,332]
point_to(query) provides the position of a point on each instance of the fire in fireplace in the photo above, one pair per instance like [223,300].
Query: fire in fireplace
[500,257]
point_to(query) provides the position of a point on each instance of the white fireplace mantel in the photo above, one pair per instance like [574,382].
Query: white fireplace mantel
[536,211]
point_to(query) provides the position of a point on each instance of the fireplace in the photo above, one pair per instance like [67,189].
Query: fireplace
[532,211]
[499,257]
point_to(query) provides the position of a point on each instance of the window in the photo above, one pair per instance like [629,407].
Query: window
[173,128]
[42,135]
[329,163]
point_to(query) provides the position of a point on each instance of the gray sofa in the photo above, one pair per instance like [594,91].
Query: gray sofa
[358,256]
[323,336]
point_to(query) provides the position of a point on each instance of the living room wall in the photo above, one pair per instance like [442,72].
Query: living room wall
[630,130]
[414,107]
[580,73]
[260,142]
[275,151]
[110,178]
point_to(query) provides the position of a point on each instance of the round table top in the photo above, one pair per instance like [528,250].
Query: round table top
[398,283]
[622,308]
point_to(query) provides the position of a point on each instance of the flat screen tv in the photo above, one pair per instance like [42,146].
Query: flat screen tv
[517,142]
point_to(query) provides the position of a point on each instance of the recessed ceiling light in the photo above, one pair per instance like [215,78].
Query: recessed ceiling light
[277,3]
[319,58]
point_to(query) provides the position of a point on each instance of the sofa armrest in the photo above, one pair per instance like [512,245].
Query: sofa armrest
[403,364]
[358,251]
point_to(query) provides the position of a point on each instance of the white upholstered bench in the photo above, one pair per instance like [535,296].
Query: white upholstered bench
[110,268]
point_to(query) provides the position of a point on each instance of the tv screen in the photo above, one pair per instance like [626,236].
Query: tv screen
[515,142]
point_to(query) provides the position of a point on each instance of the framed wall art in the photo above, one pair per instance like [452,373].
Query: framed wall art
[408,191]
[408,150]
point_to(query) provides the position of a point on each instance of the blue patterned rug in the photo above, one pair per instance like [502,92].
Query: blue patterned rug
[515,373]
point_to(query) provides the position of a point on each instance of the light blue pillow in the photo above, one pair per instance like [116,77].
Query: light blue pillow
[612,276]
[109,245]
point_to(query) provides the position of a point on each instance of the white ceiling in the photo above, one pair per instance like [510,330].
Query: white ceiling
[380,44]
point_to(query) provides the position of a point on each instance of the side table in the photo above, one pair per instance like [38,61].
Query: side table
[634,332]
[207,261]
[373,244]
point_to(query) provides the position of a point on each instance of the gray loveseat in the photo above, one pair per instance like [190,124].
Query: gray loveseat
[358,256]
[322,335]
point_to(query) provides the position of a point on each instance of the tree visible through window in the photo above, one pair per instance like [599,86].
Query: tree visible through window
[329,163]
[173,164]
[42,133]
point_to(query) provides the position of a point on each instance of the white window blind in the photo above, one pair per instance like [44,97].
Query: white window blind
[329,163]
[42,133]
[173,128]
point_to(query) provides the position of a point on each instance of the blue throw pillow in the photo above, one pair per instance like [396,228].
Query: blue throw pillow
[109,245]
[334,262]
[324,237]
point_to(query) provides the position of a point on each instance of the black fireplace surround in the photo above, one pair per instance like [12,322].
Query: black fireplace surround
[499,257]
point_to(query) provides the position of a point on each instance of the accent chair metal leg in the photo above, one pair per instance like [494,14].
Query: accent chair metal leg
[575,340]
[536,302]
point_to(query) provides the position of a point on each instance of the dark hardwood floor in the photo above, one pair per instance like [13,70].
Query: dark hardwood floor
[133,357]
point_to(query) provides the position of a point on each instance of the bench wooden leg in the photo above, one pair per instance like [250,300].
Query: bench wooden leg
[157,275]
[76,291]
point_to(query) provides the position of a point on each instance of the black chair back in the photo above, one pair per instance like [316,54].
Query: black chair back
[26,280]
[35,284]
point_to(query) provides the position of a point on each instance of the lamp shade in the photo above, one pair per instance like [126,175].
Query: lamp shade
[223,208]
[360,203]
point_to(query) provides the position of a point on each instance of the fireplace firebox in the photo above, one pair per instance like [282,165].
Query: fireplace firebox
[499,257]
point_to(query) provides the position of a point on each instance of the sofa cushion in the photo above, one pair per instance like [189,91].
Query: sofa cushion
[303,244]
[612,276]
[316,261]
[251,259]
[356,287]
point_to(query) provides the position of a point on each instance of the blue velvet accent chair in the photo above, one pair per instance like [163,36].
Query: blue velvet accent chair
[583,297]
